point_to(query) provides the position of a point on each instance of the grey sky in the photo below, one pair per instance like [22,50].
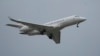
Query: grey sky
[82,41]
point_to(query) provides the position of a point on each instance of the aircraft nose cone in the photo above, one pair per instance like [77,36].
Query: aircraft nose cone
[83,19]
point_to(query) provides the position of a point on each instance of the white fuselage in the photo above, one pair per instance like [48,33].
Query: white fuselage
[64,22]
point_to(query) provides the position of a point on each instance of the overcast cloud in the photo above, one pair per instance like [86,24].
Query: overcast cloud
[82,41]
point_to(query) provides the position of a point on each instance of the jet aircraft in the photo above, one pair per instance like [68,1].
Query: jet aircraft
[51,29]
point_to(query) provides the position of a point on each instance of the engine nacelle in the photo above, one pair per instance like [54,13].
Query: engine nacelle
[24,29]
[34,32]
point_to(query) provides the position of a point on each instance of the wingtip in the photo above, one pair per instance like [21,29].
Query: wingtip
[7,24]
[11,18]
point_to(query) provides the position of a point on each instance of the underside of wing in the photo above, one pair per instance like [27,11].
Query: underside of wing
[55,35]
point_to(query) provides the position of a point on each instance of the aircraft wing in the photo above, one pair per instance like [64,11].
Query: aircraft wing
[14,25]
[31,25]
[55,36]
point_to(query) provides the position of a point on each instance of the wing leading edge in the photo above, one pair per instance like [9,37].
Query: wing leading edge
[37,26]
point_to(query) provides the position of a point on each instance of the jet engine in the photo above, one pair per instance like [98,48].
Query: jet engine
[24,29]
